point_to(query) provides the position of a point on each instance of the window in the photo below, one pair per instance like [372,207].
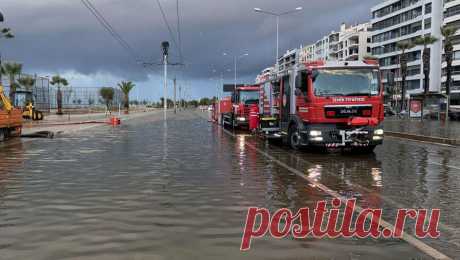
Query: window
[346,82]
[428,8]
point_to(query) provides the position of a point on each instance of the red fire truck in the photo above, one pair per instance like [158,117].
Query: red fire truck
[325,104]
[243,97]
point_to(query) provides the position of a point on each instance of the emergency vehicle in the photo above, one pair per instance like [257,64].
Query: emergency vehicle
[330,104]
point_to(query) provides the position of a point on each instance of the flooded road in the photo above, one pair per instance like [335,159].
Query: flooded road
[181,190]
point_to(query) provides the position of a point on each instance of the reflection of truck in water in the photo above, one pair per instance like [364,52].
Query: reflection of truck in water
[324,104]
[10,118]
[243,97]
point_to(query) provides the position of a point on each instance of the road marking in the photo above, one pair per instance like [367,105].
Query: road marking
[420,141]
[406,237]
[444,165]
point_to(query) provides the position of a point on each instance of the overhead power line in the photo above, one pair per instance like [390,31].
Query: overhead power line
[179,36]
[101,19]
[171,34]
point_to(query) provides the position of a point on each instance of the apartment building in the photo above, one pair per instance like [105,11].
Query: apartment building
[405,20]
[452,18]
[348,43]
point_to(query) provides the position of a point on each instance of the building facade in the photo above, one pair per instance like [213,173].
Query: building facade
[394,21]
[348,43]
[452,18]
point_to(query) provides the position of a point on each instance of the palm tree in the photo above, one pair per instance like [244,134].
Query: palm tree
[403,46]
[448,33]
[28,83]
[7,34]
[12,69]
[126,87]
[58,80]
[425,41]
[107,95]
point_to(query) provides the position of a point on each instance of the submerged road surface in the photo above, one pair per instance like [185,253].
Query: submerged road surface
[180,189]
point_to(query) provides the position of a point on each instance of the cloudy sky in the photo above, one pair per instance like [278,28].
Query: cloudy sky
[62,36]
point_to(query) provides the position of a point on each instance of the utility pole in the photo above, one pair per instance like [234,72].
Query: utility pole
[180,97]
[165,46]
[175,103]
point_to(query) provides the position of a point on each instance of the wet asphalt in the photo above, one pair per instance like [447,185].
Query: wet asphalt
[180,189]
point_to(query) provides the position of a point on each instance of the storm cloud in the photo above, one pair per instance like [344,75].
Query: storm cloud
[61,35]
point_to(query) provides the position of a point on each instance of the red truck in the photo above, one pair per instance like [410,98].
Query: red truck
[325,104]
[237,115]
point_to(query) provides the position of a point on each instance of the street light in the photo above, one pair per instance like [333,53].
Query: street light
[165,47]
[221,80]
[278,15]
[235,60]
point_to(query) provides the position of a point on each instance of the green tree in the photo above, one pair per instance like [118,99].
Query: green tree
[426,41]
[107,94]
[448,32]
[6,34]
[126,87]
[403,46]
[59,81]
[28,83]
[12,69]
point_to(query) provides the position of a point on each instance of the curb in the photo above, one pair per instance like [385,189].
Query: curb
[439,140]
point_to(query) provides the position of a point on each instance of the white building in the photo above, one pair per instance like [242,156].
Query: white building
[354,42]
[400,20]
[452,18]
[288,60]
[349,43]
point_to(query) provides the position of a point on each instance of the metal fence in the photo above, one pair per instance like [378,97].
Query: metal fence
[45,95]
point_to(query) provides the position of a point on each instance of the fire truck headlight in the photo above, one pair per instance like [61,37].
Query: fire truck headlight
[315,133]
[317,139]
[241,119]
[378,132]
[377,138]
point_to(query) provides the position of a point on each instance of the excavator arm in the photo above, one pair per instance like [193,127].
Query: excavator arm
[5,101]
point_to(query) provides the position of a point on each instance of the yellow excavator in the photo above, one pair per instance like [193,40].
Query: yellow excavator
[10,118]
[31,113]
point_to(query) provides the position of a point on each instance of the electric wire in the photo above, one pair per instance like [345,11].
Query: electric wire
[109,28]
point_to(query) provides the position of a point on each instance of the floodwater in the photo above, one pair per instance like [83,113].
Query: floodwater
[181,190]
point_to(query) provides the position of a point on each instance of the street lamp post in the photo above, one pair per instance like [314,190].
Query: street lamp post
[221,78]
[235,61]
[277,15]
[165,46]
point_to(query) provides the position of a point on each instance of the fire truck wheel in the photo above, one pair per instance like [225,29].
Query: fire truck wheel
[294,137]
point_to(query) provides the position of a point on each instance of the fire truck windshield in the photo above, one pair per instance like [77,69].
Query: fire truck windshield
[346,82]
[249,97]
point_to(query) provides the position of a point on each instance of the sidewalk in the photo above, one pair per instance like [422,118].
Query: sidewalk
[69,123]
[426,130]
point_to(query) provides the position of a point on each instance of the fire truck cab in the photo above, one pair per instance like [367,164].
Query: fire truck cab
[243,97]
[335,104]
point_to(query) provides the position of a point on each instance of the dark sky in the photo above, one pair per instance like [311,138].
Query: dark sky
[61,36]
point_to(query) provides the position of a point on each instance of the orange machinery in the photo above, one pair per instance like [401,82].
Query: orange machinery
[10,118]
